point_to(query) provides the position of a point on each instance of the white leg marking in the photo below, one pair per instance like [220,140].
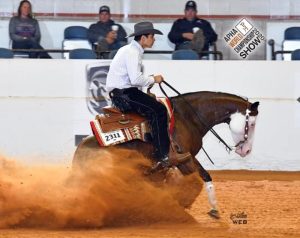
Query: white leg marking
[211,194]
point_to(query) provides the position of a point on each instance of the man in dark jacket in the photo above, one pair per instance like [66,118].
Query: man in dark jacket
[188,32]
[106,33]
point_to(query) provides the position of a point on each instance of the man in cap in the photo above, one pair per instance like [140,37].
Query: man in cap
[106,33]
[192,32]
[125,80]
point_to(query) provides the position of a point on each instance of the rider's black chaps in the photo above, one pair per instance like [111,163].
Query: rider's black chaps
[134,100]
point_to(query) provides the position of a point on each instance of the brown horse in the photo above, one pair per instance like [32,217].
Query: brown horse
[195,114]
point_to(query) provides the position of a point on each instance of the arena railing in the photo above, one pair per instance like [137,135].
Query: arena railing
[274,53]
[218,55]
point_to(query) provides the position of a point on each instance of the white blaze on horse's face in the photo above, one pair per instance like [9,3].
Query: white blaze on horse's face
[241,137]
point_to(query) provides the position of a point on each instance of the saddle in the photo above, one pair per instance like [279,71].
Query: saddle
[114,127]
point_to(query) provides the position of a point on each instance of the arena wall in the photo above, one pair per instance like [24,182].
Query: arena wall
[43,106]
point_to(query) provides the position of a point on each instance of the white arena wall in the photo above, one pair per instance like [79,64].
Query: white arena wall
[43,106]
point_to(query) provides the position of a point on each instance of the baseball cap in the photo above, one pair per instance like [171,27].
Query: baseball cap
[191,5]
[104,9]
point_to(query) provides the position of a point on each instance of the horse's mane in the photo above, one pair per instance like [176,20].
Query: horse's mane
[208,100]
[208,95]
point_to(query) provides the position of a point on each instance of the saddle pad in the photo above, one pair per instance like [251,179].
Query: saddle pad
[118,136]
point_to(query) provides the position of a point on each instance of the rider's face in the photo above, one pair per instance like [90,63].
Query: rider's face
[147,42]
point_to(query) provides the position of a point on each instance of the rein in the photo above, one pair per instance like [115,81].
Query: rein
[198,116]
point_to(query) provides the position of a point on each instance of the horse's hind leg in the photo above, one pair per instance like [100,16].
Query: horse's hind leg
[209,189]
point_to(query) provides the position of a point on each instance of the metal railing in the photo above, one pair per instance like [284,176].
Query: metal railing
[41,50]
[218,55]
[274,53]
[214,53]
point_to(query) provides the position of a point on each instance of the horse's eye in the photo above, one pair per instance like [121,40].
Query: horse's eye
[252,124]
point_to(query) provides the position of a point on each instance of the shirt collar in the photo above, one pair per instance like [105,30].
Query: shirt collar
[138,46]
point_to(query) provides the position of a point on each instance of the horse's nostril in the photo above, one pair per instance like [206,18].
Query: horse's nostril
[248,151]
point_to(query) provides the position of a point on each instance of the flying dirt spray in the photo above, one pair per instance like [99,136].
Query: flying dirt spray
[106,192]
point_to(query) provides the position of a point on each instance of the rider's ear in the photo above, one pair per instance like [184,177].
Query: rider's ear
[254,106]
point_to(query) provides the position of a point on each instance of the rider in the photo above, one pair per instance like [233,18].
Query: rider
[125,80]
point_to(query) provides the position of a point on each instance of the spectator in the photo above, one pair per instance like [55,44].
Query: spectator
[24,31]
[192,32]
[106,33]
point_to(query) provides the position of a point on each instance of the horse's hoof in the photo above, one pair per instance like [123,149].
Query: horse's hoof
[214,214]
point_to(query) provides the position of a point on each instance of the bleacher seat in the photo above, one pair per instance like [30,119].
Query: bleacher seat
[82,54]
[185,55]
[112,54]
[292,33]
[75,32]
[296,55]
[6,53]
[75,37]
[291,41]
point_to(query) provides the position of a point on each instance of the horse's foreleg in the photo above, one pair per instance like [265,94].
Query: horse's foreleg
[209,189]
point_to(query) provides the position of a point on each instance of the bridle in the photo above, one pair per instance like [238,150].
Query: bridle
[246,131]
[198,116]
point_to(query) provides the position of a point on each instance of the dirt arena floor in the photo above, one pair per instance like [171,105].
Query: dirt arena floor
[266,204]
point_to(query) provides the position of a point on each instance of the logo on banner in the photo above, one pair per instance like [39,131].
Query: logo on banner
[244,38]
[97,96]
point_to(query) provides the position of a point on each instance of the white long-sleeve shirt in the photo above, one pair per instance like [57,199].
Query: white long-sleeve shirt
[126,69]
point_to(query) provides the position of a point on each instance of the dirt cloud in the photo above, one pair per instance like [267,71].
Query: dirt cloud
[106,192]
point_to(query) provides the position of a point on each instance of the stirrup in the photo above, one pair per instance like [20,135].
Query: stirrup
[176,154]
[181,158]
[178,158]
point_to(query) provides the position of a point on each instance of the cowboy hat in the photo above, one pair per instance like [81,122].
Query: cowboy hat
[143,28]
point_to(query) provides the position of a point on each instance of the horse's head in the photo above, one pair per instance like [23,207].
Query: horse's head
[242,126]
[206,109]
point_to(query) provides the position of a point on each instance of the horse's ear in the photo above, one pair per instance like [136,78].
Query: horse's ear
[254,106]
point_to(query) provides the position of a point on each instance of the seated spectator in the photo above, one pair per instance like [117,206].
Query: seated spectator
[24,31]
[106,33]
[192,32]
